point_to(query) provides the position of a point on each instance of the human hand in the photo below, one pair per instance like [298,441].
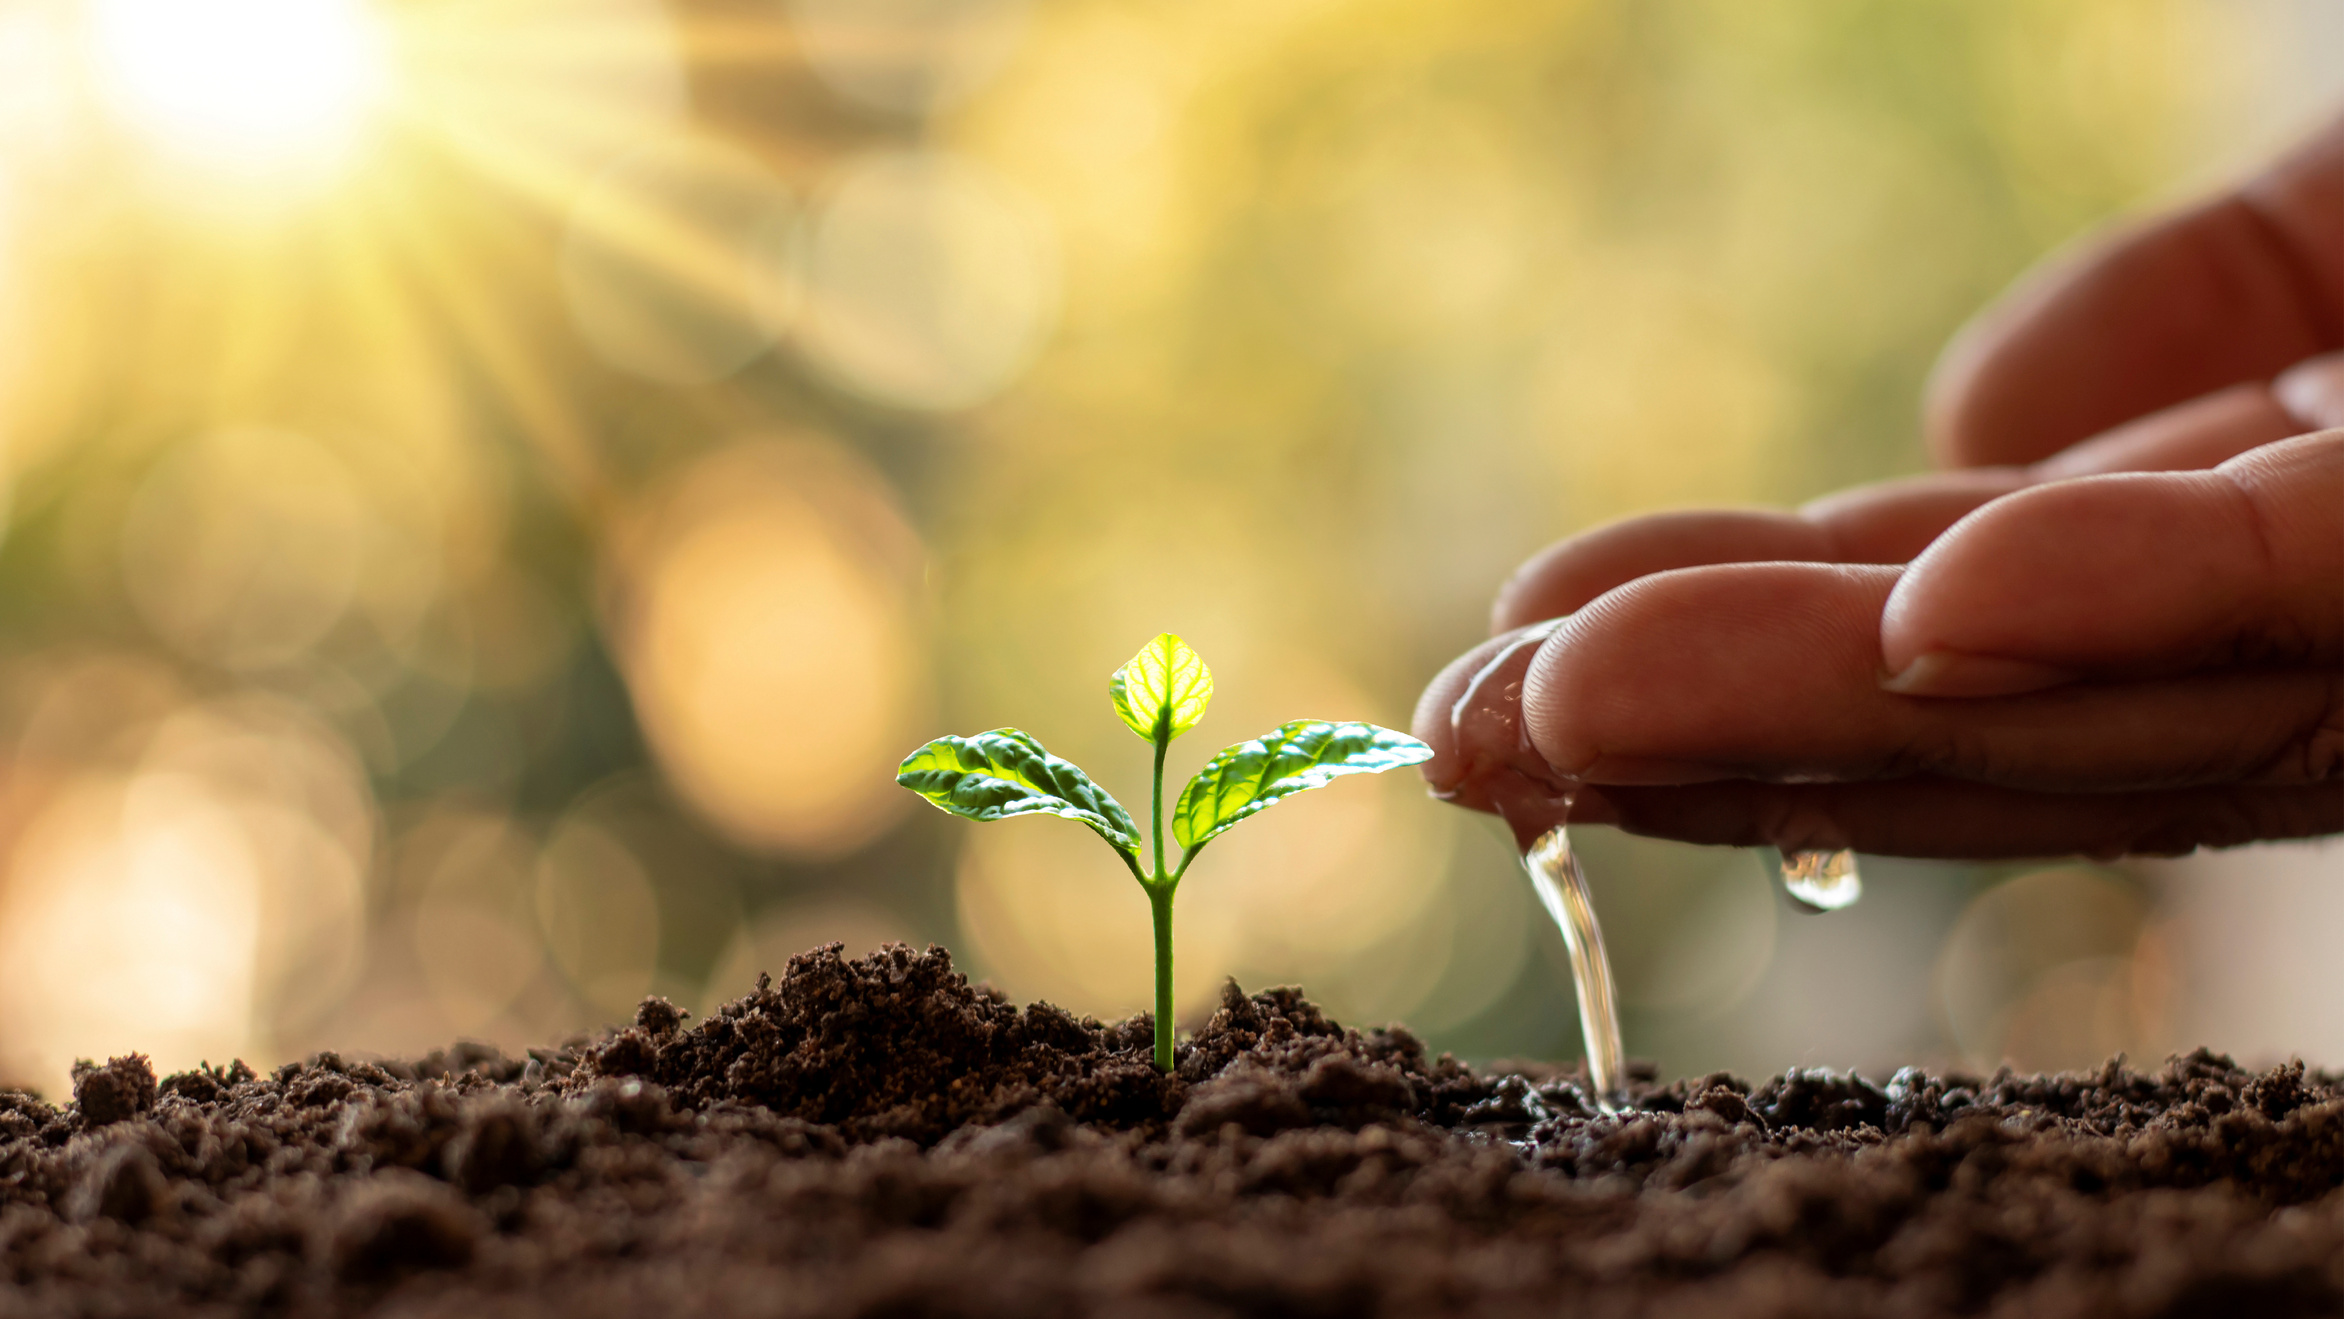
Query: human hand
[2116,627]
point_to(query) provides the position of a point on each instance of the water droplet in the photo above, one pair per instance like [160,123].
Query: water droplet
[1562,889]
[1821,880]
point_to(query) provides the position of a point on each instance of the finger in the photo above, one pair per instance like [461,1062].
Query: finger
[1884,523]
[1445,771]
[1569,573]
[1949,818]
[1892,521]
[2128,575]
[1470,715]
[2203,432]
[1771,671]
[2232,291]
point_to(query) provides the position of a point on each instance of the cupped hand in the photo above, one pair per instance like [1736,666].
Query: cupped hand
[2117,626]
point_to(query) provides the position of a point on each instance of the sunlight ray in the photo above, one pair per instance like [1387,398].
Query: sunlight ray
[531,394]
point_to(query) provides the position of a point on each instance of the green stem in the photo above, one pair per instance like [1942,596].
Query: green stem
[1156,803]
[1160,902]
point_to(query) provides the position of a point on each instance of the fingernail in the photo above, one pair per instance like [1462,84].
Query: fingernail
[1951,673]
[2312,391]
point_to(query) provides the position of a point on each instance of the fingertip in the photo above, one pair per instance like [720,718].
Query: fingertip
[2130,575]
[1471,717]
[2014,582]
[1433,723]
[1953,397]
[2203,432]
[1697,674]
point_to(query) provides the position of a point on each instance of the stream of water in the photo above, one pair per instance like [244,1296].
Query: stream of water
[1562,889]
[1819,880]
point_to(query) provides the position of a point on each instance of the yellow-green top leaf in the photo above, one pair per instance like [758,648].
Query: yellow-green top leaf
[1163,691]
[1251,777]
[995,775]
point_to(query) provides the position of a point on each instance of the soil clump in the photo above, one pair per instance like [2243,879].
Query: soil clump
[878,1137]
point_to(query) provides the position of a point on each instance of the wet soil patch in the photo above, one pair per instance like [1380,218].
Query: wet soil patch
[876,1137]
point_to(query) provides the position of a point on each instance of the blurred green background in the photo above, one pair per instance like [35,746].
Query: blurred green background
[496,486]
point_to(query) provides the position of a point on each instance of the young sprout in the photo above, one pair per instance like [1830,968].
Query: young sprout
[1160,694]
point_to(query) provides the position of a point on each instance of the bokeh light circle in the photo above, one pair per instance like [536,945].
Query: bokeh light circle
[676,261]
[2038,971]
[125,931]
[244,546]
[542,93]
[930,282]
[192,888]
[474,929]
[908,56]
[771,643]
[598,915]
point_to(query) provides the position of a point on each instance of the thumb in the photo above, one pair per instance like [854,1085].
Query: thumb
[2130,575]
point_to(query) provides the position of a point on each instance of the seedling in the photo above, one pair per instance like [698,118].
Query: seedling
[1160,694]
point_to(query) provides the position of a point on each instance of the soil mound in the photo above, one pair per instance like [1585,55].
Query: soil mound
[878,1137]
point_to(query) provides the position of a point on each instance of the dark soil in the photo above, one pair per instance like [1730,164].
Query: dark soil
[879,1138]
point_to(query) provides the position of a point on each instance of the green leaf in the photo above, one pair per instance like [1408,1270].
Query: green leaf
[1163,691]
[1254,776]
[1003,773]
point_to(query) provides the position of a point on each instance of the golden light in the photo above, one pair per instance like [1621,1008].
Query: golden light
[127,929]
[202,898]
[247,85]
[475,933]
[676,264]
[245,545]
[1613,445]
[908,56]
[15,322]
[599,916]
[771,642]
[1429,233]
[298,798]
[930,282]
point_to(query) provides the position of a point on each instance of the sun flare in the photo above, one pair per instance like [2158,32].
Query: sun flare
[242,84]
